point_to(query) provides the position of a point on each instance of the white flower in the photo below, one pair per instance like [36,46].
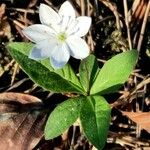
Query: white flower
[59,35]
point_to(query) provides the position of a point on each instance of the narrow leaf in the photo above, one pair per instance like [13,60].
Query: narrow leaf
[63,116]
[114,72]
[95,119]
[88,71]
[41,72]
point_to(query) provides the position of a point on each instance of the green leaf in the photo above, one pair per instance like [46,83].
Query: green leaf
[63,116]
[41,72]
[114,72]
[88,71]
[95,119]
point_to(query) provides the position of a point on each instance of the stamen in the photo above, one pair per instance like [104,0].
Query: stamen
[62,37]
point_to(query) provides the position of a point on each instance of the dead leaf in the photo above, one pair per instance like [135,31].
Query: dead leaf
[140,118]
[21,121]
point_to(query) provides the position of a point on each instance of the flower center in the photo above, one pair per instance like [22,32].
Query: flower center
[62,36]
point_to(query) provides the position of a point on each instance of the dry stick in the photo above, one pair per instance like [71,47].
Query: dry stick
[143,27]
[137,12]
[127,95]
[73,138]
[88,8]
[90,39]
[133,9]
[127,22]
[18,23]
[91,42]
[137,15]
[16,67]
[138,129]
[31,11]
[86,11]
[113,8]
[141,84]
[82,3]
[17,84]
[48,2]
[7,67]
[140,15]
[143,98]
[96,7]
[143,11]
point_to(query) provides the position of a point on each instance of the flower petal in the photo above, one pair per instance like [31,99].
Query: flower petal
[43,49]
[47,15]
[38,32]
[60,56]
[78,47]
[67,10]
[82,26]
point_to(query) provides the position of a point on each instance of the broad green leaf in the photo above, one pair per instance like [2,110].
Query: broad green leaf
[63,116]
[114,72]
[95,119]
[88,71]
[41,72]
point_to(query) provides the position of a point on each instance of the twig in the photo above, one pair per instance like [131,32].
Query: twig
[127,95]
[31,11]
[133,9]
[7,67]
[88,8]
[17,84]
[90,41]
[14,73]
[48,2]
[82,5]
[137,12]
[96,7]
[143,27]
[18,23]
[73,138]
[141,84]
[101,60]
[127,22]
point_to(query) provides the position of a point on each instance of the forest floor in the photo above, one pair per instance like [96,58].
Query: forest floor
[130,122]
